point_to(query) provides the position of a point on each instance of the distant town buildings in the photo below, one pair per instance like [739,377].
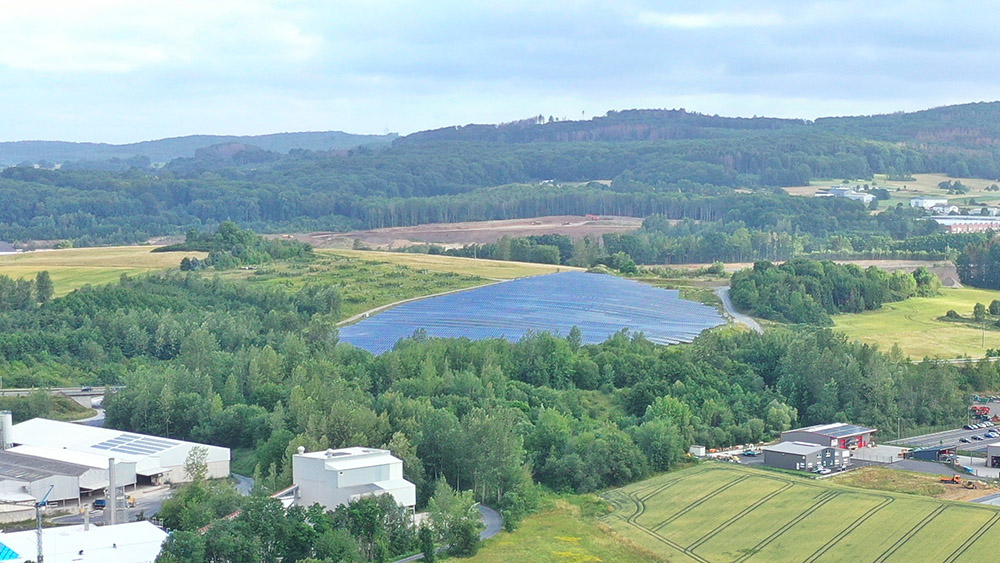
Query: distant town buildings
[335,477]
[967,223]
[847,193]
[928,202]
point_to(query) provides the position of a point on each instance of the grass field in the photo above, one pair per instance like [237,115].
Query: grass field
[77,267]
[716,513]
[922,185]
[913,325]
[490,269]
[565,533]
[364,280]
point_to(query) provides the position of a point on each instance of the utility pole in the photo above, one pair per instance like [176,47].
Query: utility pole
[38,522]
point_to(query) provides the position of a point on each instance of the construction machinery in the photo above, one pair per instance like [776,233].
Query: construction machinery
[953,480]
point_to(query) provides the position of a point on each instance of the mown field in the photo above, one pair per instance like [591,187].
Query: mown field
[724,513]
[913,325]
[490,269]
[564,533]
[76,267]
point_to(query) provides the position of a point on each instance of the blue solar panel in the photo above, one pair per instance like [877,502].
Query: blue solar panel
[599,305]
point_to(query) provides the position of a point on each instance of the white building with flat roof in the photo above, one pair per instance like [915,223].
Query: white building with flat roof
[95,477]
[335,477]
[157,460]
[928,202]
[135,542]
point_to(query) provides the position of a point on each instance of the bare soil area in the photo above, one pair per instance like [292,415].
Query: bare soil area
[480,232]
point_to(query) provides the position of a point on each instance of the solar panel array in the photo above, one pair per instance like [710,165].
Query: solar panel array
[600,305]
[135,444]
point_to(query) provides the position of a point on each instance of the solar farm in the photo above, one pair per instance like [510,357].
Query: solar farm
[600,305]
[725,513]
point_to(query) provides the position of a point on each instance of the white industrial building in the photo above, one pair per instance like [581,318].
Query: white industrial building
[335,477]
[135,542]
[94,478]
[928,202]
[157,460]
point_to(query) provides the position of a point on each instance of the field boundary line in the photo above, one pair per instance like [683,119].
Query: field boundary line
[960,550]
[699,502]
[909,534]
[789,525]
[712,533]
[886,501]
[365,314]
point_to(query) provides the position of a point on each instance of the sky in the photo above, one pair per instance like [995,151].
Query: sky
[124,70]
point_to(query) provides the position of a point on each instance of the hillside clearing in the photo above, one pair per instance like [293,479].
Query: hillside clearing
[922,185]
[913,325]
[76,267]
[723,513]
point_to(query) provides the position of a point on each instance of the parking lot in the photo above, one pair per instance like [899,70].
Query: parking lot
[954,437]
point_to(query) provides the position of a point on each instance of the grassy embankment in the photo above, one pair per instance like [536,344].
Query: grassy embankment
[76,267]
[914,325]
[718,513]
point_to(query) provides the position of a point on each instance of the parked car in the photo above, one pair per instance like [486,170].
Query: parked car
[101,503]
[978,438]
[964,440]
[751,453]
[967,427]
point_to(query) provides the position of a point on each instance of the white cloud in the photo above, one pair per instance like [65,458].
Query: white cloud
[705,20]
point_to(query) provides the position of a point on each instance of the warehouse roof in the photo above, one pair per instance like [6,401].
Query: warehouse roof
[836,430]
[134,542]
[105,442]
[797,448]
[20,467]
[80,458]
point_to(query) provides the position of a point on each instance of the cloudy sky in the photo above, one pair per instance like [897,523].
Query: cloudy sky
[122,70]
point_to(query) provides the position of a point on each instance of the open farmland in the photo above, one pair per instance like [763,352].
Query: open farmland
[723,513]
[76,267]
[913,325]
[491,269]
[479,232]
[922,185]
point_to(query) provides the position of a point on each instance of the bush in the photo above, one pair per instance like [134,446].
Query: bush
[952,314]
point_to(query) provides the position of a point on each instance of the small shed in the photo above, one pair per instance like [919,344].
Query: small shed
[697,451]
[933,453]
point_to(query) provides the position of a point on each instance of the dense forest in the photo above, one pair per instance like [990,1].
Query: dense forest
[675,163]
[807,291]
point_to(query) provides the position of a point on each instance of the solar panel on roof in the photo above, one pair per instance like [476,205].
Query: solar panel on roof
[600,305]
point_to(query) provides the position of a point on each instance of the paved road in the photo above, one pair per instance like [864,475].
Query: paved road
[951,438]
[244,484]
[96,420]
[493,521]
[723,293]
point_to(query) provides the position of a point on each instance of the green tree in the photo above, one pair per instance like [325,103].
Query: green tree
[43,287]
[426,538]
[979,312]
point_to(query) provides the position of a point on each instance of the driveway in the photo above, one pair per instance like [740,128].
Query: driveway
[723,293]
[493,521]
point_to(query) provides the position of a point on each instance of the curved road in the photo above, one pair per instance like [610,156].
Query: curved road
[493,521]
[723,293]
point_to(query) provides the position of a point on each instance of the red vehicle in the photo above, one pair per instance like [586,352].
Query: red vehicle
[981,410]
[592,217]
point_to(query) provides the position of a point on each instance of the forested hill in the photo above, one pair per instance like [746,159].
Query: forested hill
[165,150]
[628,125]
[967,125]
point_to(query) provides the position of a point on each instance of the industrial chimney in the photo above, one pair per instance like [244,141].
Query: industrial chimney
[6,430]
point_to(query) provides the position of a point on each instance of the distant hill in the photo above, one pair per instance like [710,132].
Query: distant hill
[627,125]
[165,150]
[974,125]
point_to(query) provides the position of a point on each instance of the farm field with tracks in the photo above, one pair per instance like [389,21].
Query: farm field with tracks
[722,513]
